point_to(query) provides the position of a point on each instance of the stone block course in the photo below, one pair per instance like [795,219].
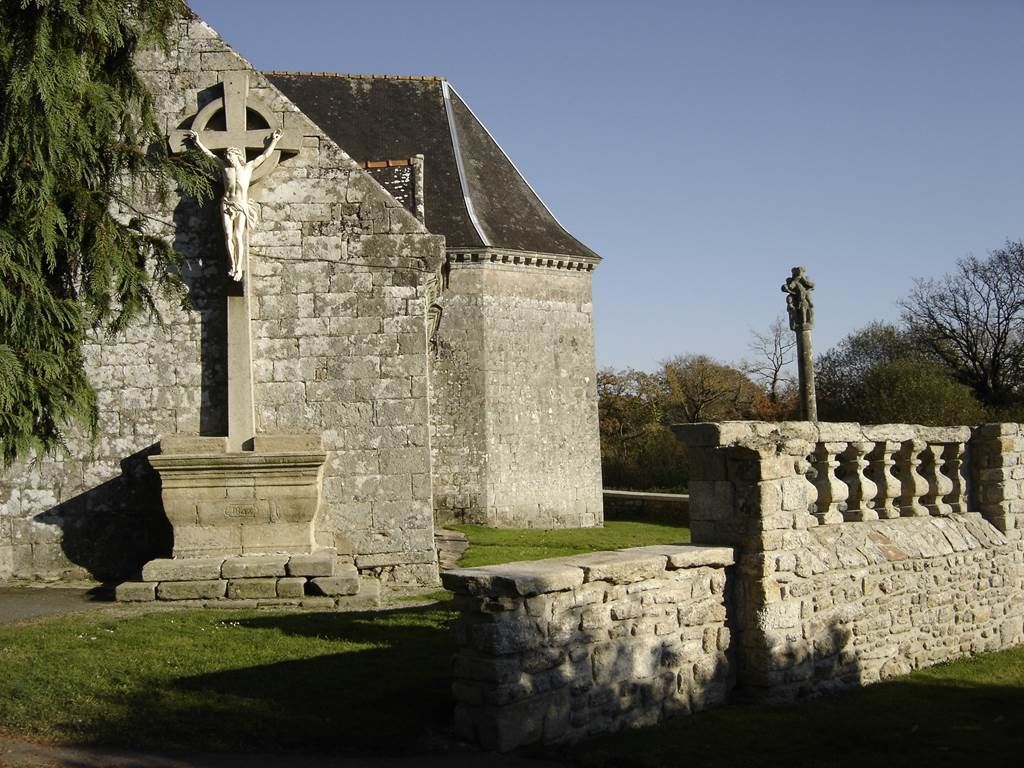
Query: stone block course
[251,566]
[252,588]
[204,589]
[183,569]
[316,564]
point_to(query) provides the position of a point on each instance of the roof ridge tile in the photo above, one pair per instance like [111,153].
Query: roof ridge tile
[282,72]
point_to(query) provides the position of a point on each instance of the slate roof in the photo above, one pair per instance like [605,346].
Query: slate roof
[474,195]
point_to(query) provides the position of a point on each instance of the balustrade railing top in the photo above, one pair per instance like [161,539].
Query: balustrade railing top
[837,472]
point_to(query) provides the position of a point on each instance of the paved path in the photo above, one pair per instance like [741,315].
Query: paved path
[17,754]
[20,603]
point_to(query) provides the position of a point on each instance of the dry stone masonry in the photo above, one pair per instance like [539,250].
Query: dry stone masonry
[560,649]
[861,553]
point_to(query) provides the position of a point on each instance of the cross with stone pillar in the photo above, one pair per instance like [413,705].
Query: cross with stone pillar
[237,139]
[800,306]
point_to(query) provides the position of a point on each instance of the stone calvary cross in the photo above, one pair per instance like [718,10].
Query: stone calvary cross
[238,138]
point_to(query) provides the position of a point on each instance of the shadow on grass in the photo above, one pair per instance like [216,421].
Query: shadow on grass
[387,690]
[902,722]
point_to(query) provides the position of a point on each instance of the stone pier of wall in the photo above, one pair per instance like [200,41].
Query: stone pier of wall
[557,650]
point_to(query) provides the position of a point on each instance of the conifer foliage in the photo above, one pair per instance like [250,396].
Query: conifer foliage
[79,148]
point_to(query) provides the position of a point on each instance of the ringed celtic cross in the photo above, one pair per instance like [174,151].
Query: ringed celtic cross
[235,104]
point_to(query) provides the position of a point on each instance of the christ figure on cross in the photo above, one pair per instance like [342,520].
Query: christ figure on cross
[238,212]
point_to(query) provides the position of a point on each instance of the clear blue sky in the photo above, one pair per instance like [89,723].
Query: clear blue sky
[705,148]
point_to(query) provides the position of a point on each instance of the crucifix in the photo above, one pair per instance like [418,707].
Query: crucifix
[238,215]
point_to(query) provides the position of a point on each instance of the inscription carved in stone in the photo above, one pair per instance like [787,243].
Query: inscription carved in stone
[235,511]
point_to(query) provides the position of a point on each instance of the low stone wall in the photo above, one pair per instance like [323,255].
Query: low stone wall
[556,650]
[641,504]
[862,602]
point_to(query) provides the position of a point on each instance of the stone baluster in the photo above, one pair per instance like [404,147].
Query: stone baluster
[805,469]
[832,492]
[862,490]
[956,470]
[880,470]
[939,485]
[912,484]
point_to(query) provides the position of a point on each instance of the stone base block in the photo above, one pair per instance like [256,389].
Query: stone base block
[345,582]
[367,599]
[253,566]
[319,603]
[249,589]
[190,569]
[135,592]
[291,587]
[205,589]
[316,564]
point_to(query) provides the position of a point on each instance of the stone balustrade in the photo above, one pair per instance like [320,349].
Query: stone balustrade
[863,552]
[827,473]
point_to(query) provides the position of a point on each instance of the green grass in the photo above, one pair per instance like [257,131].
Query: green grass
[251,681]
[970,712]
[239,680]
[489,546]
[372,683]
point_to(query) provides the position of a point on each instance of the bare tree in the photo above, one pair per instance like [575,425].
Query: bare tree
[973,320]
[774,351]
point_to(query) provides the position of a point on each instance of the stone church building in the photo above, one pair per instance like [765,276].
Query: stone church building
[413,341]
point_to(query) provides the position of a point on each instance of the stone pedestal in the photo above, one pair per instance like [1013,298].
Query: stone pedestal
[223,503]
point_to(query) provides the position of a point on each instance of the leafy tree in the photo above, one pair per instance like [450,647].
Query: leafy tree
[878,374]
[916,391]
[79,147]
[973,321]
[638,451]
[841,371]
[696,388]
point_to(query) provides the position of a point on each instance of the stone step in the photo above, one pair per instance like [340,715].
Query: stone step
[340,586]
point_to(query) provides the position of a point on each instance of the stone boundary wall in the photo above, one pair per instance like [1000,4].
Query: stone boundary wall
[859,555]
[557,650]
[634,504]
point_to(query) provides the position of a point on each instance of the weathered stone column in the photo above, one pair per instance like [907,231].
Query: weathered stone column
[801,320]
[241,402]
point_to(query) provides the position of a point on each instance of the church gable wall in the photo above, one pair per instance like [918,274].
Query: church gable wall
[338,272]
